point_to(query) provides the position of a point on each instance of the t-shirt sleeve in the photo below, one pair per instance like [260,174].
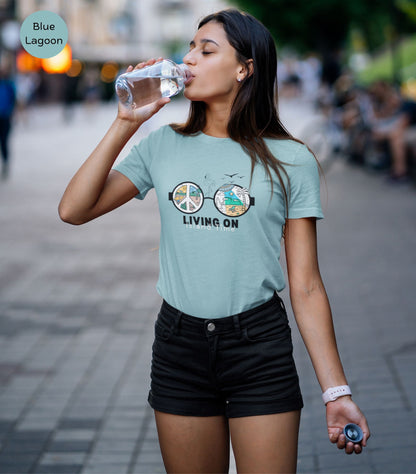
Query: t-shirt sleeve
[136,167]
[305,197]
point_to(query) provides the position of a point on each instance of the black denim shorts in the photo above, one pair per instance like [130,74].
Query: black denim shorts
[236,366]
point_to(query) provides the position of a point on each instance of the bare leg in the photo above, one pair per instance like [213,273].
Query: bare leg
[265,444]
[193,444]
[398,151]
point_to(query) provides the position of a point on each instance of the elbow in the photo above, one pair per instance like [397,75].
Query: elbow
[69,217]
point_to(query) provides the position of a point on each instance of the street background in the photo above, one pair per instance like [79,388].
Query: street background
[78,305]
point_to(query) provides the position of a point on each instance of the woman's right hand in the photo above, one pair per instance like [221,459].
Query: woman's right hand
[141,114]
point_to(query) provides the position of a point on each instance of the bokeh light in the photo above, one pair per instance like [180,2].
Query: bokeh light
[60,63]
[25,62]
[75,69]
[109,72]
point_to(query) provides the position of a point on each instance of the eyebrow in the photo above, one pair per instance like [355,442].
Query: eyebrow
[205,40]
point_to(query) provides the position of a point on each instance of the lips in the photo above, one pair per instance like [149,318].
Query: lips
[189,79]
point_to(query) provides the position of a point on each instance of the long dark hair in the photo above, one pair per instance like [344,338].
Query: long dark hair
[254,114]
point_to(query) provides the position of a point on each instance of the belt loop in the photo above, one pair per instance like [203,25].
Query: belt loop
[177,322]
[236,320]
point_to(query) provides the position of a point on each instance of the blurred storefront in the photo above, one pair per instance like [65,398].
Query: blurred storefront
[104,37]
[9,34]
[124,31]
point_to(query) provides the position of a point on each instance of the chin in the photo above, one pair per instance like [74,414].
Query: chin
[195,95]
[191,95]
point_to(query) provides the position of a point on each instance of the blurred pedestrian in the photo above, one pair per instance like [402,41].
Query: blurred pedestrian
[26,86]
[331,67]
[7,104]
[395,126]
[230,182]
[90,87]
[310,74]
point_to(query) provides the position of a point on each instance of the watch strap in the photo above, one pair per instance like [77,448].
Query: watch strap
[333,393]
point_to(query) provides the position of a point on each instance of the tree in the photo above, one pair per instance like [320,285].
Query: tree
[324,25]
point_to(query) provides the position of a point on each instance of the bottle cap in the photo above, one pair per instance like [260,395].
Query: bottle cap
[353,433]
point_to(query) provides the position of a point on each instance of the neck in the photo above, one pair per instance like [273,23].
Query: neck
[217,118]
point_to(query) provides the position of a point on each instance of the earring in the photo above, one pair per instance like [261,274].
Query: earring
[239,79]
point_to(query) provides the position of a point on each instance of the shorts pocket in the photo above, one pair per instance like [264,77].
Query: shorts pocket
[162,331]
[274,327]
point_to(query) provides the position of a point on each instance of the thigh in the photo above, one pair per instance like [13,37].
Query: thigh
[266,443]
[192,444]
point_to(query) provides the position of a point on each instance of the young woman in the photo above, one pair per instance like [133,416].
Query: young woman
[230,182]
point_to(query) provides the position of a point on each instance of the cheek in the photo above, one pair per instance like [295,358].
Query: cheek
[218,80]
[212,82]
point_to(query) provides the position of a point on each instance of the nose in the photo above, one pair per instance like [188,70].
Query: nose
[189,58]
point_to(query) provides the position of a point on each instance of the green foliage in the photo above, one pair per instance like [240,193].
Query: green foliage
[324,24]
[408,7]
[311,24]
[381,67]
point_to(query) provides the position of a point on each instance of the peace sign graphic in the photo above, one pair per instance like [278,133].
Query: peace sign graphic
[188,197]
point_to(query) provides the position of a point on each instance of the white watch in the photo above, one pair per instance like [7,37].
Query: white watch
[333,393]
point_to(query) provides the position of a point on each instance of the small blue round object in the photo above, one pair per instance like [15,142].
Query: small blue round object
[353,433]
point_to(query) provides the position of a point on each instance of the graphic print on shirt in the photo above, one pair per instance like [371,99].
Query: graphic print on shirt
[187,197]
[231,200]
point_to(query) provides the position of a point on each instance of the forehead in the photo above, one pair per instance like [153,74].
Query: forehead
[212,31]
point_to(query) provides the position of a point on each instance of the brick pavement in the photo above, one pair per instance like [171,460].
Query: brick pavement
[77,307]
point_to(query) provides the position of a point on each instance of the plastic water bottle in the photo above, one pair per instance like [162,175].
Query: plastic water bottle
[143,86]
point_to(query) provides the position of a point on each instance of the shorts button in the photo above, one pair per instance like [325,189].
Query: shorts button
[211,327]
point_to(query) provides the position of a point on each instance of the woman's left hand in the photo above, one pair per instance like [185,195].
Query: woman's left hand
[338,414]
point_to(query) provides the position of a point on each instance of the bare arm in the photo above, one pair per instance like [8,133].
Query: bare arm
[95,189]
[313,316]
[310,303]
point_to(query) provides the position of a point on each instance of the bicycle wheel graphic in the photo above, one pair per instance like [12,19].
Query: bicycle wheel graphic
[188,197]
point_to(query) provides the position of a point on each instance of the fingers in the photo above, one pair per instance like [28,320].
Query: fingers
[148,63]
[143,64]
[366,435]
[334,434]
[144,113]
[156,106]
[349,447]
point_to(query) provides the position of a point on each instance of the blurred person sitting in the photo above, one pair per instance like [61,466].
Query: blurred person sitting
[7,104]
[290,80]
[356,119]
[397,128]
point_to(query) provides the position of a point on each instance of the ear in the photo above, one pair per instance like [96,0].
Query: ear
[250,67]
[246,70]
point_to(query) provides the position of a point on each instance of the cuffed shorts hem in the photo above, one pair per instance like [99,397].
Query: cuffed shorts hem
[232,409]
[191,408]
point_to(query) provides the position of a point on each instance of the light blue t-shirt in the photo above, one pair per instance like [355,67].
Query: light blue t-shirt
[220,239]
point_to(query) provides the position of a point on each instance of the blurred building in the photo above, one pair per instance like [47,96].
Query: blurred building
[9,33]
[125,31]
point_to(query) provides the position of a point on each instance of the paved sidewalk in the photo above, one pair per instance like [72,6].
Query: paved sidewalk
[78,304]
